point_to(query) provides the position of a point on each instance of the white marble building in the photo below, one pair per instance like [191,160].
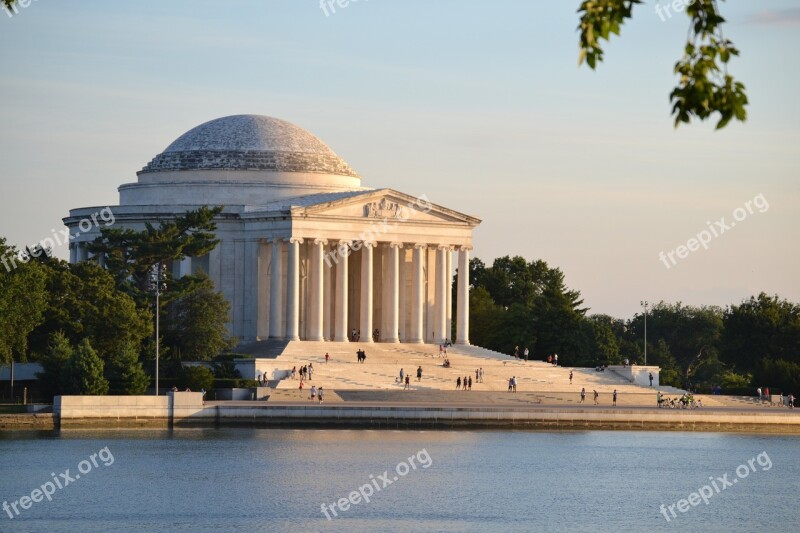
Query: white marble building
[306,252]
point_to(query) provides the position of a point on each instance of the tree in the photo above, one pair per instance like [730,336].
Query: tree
[195,326]
[54,361]
[84,302]
[22,302]
[704,85]
[83,372]
[130,254]
[125,373]
[196,378]
[763,327]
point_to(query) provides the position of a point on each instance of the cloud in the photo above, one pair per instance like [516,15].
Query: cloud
[777,17]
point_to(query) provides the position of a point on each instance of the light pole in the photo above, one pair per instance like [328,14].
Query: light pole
[644,304]
[157,283]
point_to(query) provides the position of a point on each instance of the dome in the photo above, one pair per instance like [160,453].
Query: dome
[249,142]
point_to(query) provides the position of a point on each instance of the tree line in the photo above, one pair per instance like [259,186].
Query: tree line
[516,303]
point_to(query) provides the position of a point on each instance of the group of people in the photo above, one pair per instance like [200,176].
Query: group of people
[525,353]
[467,383]
[785,400]
[316,393]
[512,384]
[361,356]
[686,401]
[596,395]
[305,372]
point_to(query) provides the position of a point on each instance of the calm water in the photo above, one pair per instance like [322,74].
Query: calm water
[276,480]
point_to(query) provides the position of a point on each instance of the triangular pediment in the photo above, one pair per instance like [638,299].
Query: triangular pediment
[385,204]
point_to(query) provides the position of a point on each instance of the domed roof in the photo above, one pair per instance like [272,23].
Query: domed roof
[249,142]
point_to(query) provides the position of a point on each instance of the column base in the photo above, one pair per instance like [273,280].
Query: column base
[316,339]
[463,343]
[415,341]
[391,341]
[292,339]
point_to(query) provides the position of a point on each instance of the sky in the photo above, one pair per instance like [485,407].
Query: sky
[481,106]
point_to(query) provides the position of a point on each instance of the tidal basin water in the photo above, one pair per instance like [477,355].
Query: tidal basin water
[277,480]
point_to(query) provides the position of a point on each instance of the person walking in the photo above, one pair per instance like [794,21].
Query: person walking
[595,397]
[327,357]
[760,396]
[408,383]
[402,374]
[510,384]
[419,373]
[583,395]
[470,383]
[319,395]
[651,379]
[313,393]
[570,377]
[526,353]
[481,369]
[555,360]
[516,352]
[458,383]
[614,402]
[514,382]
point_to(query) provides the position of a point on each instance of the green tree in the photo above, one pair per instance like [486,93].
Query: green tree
[22,303]
[195,328]
[605,347]
[84,302]
[54,361]
[125,373]
[196,378]
[83,372]
[704,85]
[762,327]
[130,254]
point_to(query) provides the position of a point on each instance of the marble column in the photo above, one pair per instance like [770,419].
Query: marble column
[340,330]
[317,294]
[327,297]
[462,298]
[417,294]
[276,313]
[366,291]
[449,306]
[73,253]
[393,319]
[293,290]
[440,320]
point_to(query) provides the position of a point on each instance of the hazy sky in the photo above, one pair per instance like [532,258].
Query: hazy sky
[479,105]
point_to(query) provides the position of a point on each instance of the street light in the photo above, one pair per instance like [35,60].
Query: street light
[156,283]
[644,304]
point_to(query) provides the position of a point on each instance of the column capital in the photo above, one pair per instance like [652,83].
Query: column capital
[294,240]
[420,246]
[444,247]
[321,241]
[371,244]
[465,248]
[276,240]
[395,245]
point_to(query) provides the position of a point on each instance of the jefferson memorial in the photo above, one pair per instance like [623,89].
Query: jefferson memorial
[306,252]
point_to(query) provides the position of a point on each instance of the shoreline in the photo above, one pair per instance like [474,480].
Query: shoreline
[373,415]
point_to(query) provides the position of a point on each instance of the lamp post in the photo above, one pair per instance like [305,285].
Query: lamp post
[644,304]
[157,283]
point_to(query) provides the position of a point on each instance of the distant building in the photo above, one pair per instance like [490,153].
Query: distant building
[306,251]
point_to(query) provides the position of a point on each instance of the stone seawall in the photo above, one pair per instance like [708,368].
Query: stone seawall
[188,410]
